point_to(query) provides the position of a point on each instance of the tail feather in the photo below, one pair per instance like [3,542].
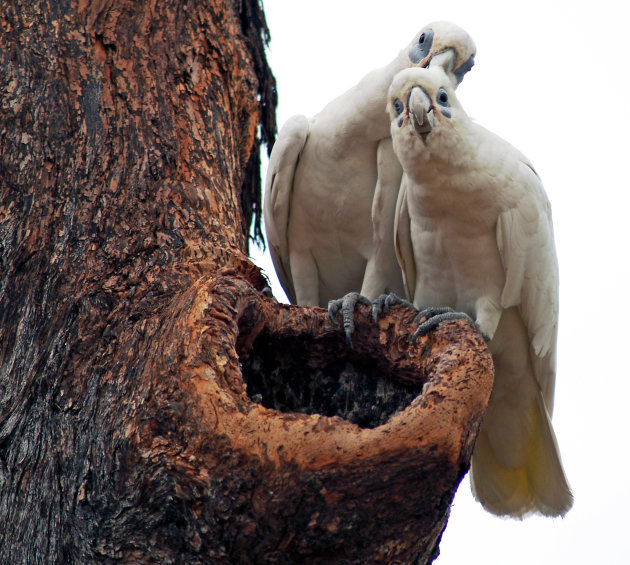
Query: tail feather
[546,474]
[538,485]
[500,490]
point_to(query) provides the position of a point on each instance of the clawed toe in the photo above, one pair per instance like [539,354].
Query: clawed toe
[434,317]
[384,301]
[346,304]
[427,319]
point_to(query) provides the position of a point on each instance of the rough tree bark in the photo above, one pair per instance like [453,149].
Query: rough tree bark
[156,404]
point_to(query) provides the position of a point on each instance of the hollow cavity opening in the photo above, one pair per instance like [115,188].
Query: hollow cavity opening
[291,374]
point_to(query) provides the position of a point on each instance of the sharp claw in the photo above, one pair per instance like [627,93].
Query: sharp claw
[347,304]
[384,301]
[333,309]
[435,311]
[378,306]
[395,299]
[434,317]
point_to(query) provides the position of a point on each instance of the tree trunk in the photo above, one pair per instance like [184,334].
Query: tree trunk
[156,404]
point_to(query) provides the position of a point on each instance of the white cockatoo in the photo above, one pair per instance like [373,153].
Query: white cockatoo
[319,202]
[473,231]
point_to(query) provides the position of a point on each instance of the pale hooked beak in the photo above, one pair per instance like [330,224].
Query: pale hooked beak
[421,112]
[444,59]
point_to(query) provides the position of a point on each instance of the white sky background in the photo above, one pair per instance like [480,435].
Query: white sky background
[551,77]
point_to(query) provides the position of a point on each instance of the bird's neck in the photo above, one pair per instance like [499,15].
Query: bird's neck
[444,155]
[373,90]
[361,112]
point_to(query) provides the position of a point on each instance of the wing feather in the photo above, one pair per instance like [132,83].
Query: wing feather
[402,241]
[277,200]
[527,249]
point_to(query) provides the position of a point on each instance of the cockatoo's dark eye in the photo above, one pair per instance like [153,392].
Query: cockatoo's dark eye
[443,102]
[442,97]
[398,106]
[420,51]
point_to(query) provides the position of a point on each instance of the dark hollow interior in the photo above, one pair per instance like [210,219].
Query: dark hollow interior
[291,374]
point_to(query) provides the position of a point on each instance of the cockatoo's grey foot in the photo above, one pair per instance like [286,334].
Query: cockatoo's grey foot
[347,305]
[384,301]
[435,316]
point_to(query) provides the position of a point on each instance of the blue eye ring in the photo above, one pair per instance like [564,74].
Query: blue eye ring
[398,106]
[421,50]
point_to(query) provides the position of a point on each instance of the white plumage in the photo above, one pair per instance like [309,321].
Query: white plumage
[331,177]
[473,231]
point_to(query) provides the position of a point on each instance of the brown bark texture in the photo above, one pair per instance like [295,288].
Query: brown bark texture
[157,405]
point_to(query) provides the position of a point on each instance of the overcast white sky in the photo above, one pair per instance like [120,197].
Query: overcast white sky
[551,77]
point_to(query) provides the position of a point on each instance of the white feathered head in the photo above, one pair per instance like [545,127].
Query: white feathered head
[446,45]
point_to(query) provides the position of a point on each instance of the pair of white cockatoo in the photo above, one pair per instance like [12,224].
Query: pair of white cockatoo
[392,188]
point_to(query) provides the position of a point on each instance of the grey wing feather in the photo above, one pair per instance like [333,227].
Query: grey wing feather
[277,200]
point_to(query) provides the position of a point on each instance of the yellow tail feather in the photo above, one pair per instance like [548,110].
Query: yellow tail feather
[538,485]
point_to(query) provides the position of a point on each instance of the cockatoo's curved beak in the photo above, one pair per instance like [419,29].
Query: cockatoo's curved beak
[421,112]
[444,59]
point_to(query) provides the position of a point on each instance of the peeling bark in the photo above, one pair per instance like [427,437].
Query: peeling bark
[156,405]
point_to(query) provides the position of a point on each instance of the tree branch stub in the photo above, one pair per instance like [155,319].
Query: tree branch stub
[348,474]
